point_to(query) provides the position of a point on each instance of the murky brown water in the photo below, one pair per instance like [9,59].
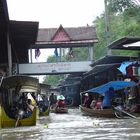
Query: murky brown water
[74,126]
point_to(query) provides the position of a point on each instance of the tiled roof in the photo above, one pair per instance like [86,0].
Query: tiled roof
[75,33]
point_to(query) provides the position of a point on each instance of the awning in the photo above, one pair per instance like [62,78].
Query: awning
[117,85]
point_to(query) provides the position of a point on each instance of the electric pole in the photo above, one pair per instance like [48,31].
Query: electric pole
[107,34]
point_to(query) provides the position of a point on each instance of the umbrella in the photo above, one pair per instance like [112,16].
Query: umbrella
[117,85]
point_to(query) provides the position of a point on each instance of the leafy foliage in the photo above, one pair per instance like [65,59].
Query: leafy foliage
[53,79]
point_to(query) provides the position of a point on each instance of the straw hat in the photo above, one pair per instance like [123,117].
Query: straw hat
[60,97]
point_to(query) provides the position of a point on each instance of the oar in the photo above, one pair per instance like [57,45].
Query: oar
[20,113]
[16,124]
[126,113]
[130,115]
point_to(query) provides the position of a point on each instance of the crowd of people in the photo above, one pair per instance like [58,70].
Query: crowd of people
[129,101]
[102,102]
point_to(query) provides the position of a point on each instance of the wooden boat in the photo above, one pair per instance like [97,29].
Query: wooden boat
[107,113]
[9,87]
[45,113]
[59,110]
[6,121]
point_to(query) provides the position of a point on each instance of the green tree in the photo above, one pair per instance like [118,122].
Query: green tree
[53,79]
[123,21]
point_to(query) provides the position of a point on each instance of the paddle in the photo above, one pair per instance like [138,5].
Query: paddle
[120,110]
[16,124]
[20,113]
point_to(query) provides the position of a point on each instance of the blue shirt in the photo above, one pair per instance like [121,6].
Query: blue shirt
[107,98]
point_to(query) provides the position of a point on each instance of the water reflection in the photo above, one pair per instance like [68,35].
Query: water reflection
[75,126]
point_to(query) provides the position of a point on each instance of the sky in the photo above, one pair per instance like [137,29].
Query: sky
[52,13]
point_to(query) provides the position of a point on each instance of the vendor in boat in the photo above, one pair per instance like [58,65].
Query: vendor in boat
[87,100]
[133,103]
[98,104]
[93,104]
[30,107]
[61,102]
[108,98]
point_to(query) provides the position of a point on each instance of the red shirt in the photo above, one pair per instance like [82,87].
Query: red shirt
[61,103]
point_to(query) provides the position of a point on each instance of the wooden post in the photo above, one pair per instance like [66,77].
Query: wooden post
[9,55]
[31,61]
[60,54]
[91,53]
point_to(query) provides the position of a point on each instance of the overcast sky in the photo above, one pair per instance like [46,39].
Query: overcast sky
[52,13]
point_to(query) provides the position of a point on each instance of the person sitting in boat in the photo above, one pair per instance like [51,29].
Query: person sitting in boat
[108,97]
[87,100]
[61,102]
[30,107]
[23,101]
[93,104]
[98,104]
[131,105]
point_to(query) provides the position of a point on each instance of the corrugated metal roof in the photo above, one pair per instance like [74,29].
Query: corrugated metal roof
[118,44]
[109,59]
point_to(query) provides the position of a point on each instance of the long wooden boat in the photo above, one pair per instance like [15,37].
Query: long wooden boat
[59,110]
[107,113]
[22,84]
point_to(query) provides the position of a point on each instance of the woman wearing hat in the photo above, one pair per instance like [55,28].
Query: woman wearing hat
[61,102]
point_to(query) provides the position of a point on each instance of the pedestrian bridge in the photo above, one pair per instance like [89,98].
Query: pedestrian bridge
[53,68]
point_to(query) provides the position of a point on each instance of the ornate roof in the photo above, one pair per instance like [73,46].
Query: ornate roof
[70,36]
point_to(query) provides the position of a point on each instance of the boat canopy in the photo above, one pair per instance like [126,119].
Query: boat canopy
[117,85]
[24,83]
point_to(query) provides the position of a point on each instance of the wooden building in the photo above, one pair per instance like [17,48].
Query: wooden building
[103,71]
[15,40]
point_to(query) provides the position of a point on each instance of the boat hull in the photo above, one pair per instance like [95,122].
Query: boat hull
[107,113]
[59,110]
[45,113]
[6,121]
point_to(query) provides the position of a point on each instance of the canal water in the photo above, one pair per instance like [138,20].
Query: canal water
[75,126]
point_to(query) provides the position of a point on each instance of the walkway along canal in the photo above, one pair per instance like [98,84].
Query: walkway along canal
[75,126]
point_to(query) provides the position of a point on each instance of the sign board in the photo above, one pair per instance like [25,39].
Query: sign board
[54,68]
